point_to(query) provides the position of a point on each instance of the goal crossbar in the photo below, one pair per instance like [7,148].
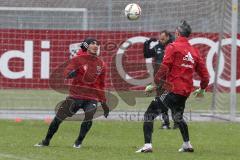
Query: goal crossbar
[84,10]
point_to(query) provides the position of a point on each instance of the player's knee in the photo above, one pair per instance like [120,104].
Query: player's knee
[88,121]
[177,118]
[88,117]
[56,121]
[89,114]
[148,117]
[61,115]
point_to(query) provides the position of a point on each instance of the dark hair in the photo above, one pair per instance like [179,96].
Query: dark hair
[166,33]
[184,28]
[86,42]
[170,35]
[89,40]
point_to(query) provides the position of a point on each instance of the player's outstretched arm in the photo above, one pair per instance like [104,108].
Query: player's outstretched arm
[204,75]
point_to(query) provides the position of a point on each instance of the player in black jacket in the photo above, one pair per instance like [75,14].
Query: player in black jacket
[157,52]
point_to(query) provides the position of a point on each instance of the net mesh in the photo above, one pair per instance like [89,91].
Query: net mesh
[36,35]
[221,103]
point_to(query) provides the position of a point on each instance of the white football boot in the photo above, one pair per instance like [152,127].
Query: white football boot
[145,149]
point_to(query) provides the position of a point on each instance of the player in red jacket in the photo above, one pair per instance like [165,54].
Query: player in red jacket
[87,72]
[180,62]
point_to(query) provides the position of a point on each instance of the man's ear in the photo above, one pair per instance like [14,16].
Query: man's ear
[177,34]
[98,51]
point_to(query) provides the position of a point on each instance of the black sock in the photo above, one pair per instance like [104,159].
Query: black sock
[52,129]
[184,130]
[85,127]
[152,112]
[148,130]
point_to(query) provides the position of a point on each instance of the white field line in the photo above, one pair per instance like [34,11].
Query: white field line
[11,156]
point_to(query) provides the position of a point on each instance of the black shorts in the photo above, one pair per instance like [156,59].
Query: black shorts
[70,106]
[173,101]
[83,104]
[167,100]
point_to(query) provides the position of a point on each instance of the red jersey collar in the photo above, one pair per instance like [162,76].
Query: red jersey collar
[181,39]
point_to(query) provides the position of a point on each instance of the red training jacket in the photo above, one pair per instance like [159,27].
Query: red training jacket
[180,62]
[89,81]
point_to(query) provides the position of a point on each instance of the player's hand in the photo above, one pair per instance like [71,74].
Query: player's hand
[73,73]
[147,42]
[149,89]
[199,93]
[105,109]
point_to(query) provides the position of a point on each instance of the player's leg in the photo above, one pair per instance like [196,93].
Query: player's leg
[175,124]
[165,118]
[64,109]
[177,104]
[89,108]
[152,112]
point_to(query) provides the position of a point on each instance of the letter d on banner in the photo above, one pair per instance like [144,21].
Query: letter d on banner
[27,57]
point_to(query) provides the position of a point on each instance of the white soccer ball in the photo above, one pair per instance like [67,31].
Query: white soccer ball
[132,11]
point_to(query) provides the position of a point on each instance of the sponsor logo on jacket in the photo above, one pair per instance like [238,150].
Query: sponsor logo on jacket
[188,61]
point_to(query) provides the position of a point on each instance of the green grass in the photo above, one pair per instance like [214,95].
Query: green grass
[114,140]
[29,99]
[47,99]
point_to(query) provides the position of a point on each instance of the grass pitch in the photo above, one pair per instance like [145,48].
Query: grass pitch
[114,140]
[47,100]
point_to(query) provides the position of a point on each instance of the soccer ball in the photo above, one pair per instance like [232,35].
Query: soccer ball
[132,11]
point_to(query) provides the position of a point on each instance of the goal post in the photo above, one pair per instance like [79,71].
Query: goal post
[234,28]
[225,89]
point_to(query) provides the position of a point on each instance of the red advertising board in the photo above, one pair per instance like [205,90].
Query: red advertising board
[28,57]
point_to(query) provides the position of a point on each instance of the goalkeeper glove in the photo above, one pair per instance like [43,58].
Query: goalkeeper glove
[73,73]
[105,109]
[199,92]
[147,42]
[149,88]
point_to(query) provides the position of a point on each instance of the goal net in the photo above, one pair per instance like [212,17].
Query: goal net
[38,36]
[225,80]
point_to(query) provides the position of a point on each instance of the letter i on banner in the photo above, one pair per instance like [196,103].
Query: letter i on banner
[45,60]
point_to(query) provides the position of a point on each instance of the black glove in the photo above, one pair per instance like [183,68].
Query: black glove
[73,73]
[105,109]
[147,52]
[147,42]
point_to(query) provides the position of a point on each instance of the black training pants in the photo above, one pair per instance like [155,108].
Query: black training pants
[167,100]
